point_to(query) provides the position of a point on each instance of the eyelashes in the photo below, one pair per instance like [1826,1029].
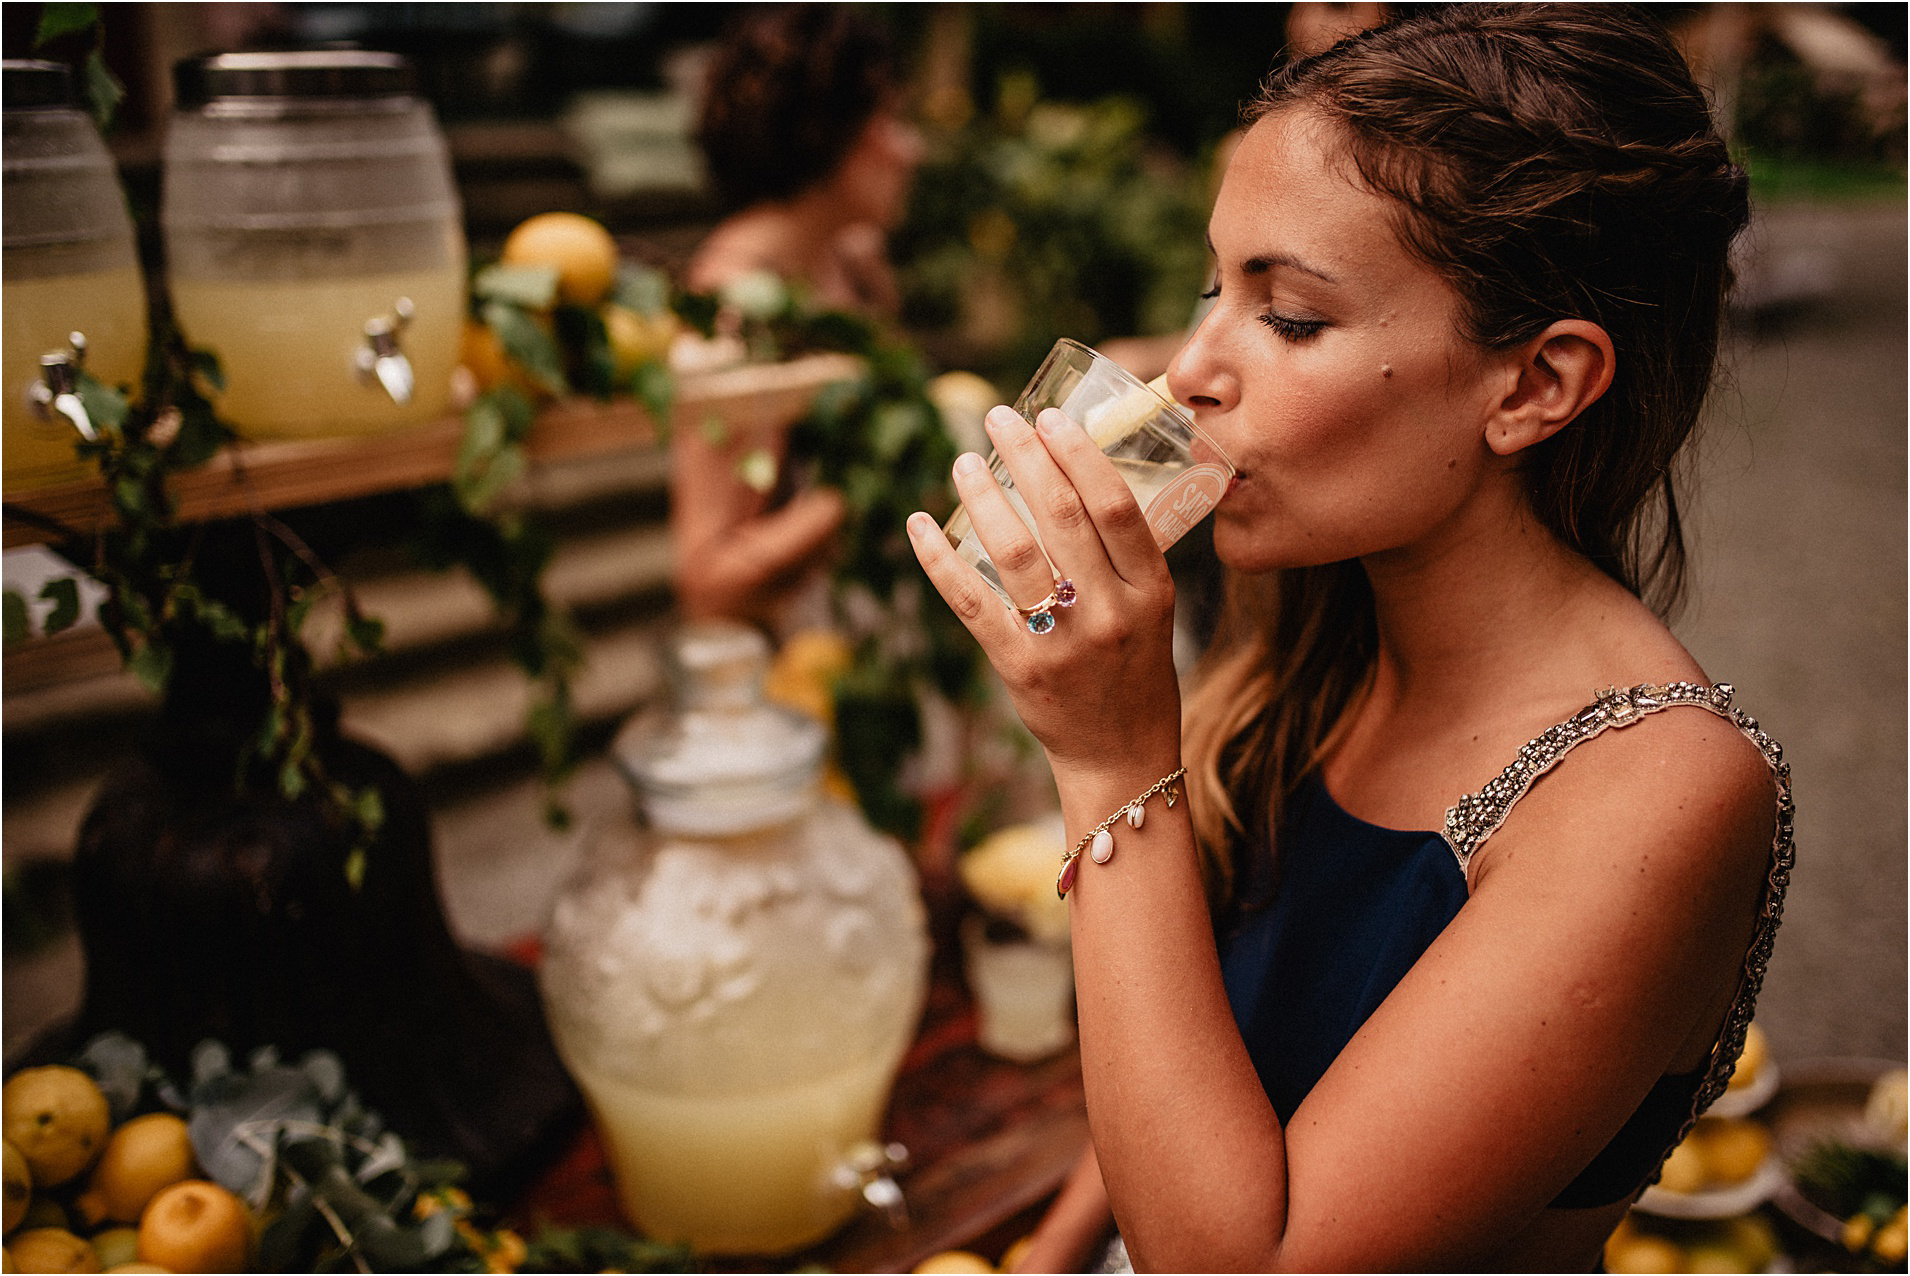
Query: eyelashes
[1292,329]
[1286,326]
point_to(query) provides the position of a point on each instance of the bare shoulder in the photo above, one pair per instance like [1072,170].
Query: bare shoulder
[1681,791]
[745,241]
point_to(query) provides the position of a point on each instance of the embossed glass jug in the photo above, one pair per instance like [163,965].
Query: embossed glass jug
[733,980]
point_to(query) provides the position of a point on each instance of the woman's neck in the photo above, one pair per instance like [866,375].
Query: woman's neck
[1493,597]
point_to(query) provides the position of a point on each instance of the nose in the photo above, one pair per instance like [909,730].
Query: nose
[1199,375]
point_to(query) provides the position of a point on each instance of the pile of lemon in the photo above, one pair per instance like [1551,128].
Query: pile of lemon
[82,1196]
[1719,1152]
[1646,1244]
[584,256]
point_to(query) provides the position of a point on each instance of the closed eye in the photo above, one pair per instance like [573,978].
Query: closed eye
[1290,328]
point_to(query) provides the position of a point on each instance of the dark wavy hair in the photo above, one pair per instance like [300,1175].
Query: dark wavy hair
[1551,161]
[788,92]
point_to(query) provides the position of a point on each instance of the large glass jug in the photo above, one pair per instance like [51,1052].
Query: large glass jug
[70,266]
[313,240]
[733,983]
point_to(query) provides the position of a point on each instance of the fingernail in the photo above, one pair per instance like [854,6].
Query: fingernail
[1053,421]
[1004,417]
[920,524]
[967,463]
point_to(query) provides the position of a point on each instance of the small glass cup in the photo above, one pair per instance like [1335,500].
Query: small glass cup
[1023,987]
[1177,474]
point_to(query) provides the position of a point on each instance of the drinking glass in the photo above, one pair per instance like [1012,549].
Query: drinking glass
[1177,474]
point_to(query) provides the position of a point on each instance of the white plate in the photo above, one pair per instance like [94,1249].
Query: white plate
[1722,1202]
[1747,1099]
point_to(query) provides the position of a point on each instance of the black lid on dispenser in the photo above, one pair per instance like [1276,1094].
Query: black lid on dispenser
[301,74]
[29,85]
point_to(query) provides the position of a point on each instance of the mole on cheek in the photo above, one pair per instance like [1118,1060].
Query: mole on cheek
[1386,369]
[1453,464]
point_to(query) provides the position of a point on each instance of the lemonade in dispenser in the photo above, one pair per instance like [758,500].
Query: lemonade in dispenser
[733,981]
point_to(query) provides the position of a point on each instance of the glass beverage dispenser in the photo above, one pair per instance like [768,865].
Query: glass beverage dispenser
[733,985]
[314,241]
[70,267]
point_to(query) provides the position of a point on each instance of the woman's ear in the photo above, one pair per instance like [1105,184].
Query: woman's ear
[1561,372]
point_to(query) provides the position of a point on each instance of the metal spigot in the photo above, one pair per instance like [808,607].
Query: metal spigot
[56,393]
[380,361]
[870,1168]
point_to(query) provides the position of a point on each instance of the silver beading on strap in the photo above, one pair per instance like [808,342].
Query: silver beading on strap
[1477,816]
[1099,840]
[1041,615]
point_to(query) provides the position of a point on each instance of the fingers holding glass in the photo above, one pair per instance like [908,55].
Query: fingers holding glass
[1120,527]
[1004,538]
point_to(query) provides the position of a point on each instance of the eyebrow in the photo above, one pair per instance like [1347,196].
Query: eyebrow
[1262,263]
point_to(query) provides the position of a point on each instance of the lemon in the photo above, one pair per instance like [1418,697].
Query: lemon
[636,339]
[144,1155]
[1754,1239]
[116,1247]
[1887,1110]
[196,1226]
[57,1118]
[19,1187]
[804,672]
[1011,1258]
[1715,1257]
[954,1260]
[582,251]
[1641,1253]
[52,1249]
[1685,1169]
[1733,1150]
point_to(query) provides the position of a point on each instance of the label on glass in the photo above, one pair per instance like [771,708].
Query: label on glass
[1185,500]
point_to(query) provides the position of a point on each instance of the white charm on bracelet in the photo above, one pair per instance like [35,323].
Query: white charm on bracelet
[1101,850]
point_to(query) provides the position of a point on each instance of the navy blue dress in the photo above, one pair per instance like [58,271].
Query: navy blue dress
[1354,907]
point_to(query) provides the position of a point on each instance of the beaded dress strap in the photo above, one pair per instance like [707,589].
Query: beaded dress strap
[1476,816]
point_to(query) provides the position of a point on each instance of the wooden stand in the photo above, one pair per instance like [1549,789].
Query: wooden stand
[286,474]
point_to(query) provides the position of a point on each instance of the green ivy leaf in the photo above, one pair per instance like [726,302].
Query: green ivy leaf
[18,621]
[355,868]
[366,633]
[204,364]
[152,664]
[531,287]
[64,594]
[654,386]
[103,90]
[201,435]
[528,345]
[58,20]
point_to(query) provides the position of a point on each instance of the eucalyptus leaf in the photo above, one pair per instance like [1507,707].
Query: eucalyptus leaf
[233,1111]
[118,1065]
[388,1155]
[326,1071]
[210,1061]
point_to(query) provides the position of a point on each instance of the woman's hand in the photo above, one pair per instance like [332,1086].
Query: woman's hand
[1098,690]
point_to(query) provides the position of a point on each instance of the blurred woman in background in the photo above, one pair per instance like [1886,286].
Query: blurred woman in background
[805,144]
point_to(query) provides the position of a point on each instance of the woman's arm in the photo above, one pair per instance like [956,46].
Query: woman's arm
[732,556]
[1609,932]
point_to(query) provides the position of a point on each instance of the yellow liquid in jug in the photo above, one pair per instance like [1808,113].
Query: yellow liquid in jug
[737,1174]
[36,316]
[287,349]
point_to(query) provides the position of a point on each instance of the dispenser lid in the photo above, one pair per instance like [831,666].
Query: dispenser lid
[721,759]
[291,73]
[26,85]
